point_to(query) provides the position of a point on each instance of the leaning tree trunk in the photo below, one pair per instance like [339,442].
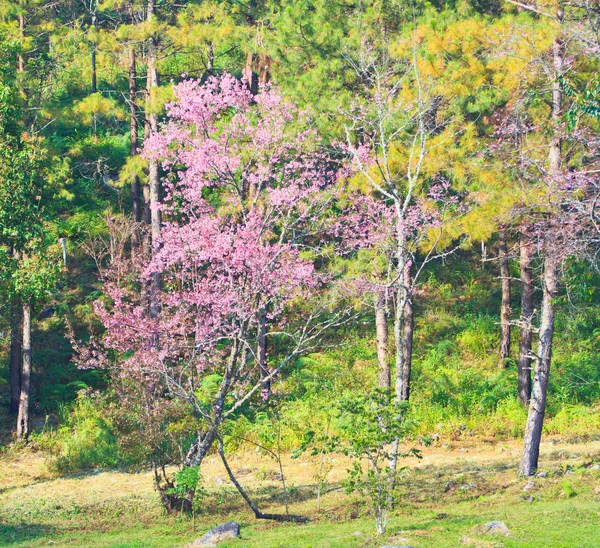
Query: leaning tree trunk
[15,357]
[526,332]
[257,513]
[23,415]
[505,311]
[153,175]
[200,448]
[537,406]
[381,330]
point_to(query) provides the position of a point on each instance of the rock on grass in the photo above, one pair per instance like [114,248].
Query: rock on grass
[492,528]
[225,531]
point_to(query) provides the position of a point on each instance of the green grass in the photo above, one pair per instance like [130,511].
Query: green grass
[441,502]
[545,523]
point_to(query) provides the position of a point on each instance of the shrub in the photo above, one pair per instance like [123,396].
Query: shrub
[574,420]
[84,440]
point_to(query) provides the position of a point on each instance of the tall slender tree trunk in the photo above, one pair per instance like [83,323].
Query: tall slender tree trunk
[21,56]
[409,329]
[136,198]
[153,179]
[505,311]
[15,356]
[93,59]
[23,415]
[133,133]
[403,326]
[16,318]
[537,405]
[381,331]
[526,332]
[262,351]
[399,326]
[147,220]
[401,386]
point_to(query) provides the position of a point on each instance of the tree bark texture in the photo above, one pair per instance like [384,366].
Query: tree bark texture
[93,59]
[261,353]
[505,311]
[15,356]
[200,448]
[403,329]
[537,406]
[153,173]
[133,134]
[525,333]
[20,55]
[257,71]
[23,415]
[381,330]
[146,218]
[409,329]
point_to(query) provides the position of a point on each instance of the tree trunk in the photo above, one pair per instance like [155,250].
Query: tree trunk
[21,56]
[93,60]
[526,333]
[146,215]
[257,513]
[401,385]
[133,134]
[250,74]
[200,448]
[261,353]
[409,328]
[264,69]
[537,406]
[136,198]
[257,71]
[401,379]
[381,329]
[15,357]
[22,60]
[505,311]
[403,329]
[147,219]
[153,179]
[23,416]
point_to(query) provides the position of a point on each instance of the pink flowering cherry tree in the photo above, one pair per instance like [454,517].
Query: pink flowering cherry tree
[246,186]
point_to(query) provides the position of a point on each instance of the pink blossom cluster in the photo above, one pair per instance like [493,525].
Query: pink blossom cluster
[246,184]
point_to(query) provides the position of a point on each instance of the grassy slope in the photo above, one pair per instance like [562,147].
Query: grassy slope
[444,497]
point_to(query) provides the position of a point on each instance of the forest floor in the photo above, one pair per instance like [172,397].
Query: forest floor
[445,495]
